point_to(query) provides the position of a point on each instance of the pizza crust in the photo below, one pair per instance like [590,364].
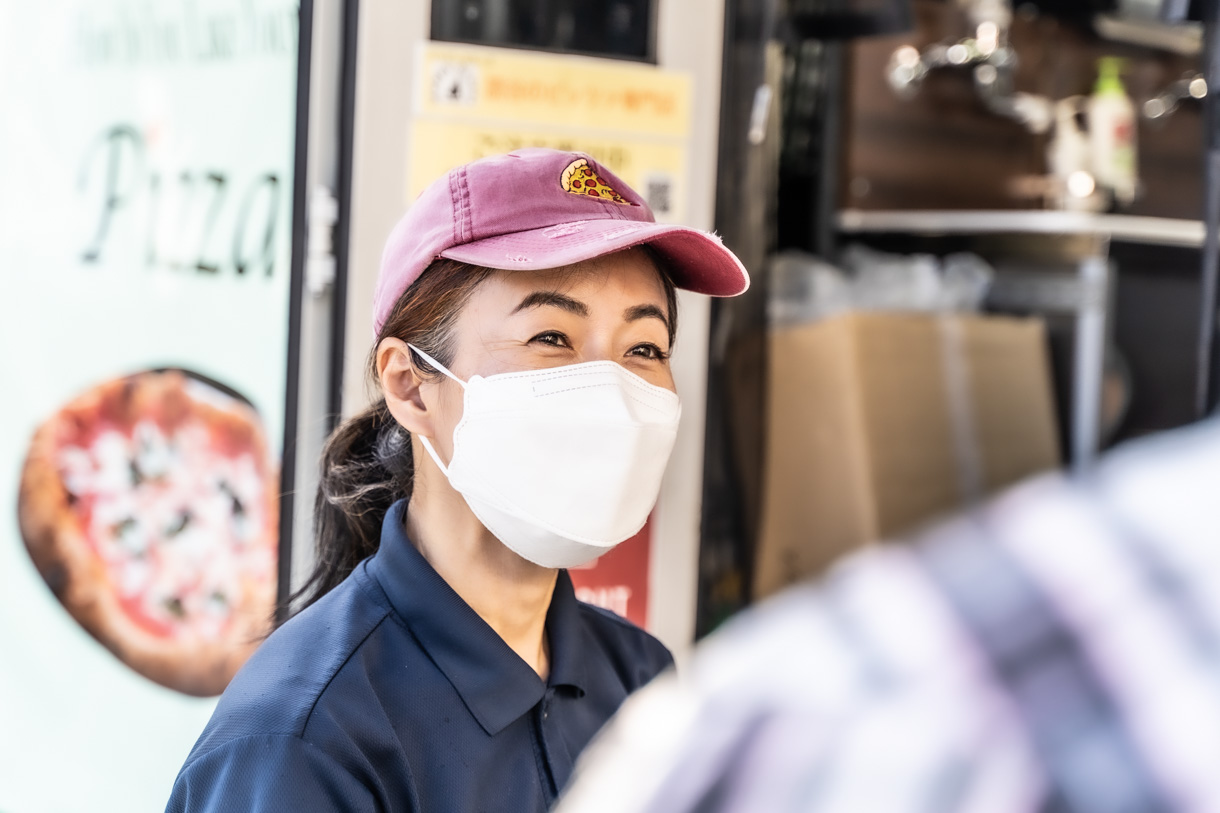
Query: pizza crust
[79,577]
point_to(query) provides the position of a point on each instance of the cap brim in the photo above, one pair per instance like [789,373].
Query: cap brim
[697,261]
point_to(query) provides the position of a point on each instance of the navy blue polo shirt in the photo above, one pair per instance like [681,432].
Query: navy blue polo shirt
[391,694]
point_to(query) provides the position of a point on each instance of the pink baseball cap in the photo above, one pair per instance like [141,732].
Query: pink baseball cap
[535,209]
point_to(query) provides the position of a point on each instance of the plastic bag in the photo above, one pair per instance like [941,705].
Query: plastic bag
[805,288]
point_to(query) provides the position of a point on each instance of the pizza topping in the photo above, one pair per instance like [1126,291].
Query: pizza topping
[579,178]
[173,520]
[152,457]
[238,508]
[179,524]
[127,533]
[174,607]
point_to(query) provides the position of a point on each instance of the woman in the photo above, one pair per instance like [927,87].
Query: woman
[524,313]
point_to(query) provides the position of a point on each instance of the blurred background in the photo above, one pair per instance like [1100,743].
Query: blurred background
[982,237]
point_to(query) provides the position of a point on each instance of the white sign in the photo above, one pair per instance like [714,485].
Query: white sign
[146,154]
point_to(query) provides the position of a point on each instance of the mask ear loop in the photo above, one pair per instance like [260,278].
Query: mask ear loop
[436,364]
[427,443]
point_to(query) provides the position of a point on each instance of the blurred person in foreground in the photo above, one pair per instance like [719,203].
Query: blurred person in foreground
[1058,650]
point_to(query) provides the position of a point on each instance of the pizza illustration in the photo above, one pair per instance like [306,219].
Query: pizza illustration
[581,179]
[149,506]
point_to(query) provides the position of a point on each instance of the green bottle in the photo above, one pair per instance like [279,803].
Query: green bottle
[1112,132]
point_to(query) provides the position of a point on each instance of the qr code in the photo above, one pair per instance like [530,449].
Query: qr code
[658,191]
[455,83]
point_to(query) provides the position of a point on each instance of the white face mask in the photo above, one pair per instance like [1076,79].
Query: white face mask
[561,464]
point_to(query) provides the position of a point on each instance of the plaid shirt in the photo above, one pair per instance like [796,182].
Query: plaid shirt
[1058,650]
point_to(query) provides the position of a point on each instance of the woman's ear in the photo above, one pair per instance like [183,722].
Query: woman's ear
[400,384]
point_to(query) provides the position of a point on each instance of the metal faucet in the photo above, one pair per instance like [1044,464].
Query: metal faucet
[992,61]
[1161,106]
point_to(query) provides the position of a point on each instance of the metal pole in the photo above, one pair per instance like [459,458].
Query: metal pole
[1208,381]
[296,299]
[1088,369]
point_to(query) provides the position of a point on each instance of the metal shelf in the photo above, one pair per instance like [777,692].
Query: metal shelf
[1186,38]
[1122,228]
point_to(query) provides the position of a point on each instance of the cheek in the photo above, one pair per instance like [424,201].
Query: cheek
[446,410]
[452,401]
[658,377]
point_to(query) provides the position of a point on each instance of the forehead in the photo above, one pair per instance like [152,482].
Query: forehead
[626,275]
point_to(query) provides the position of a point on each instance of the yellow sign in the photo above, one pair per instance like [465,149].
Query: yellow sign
[475,82]
[655,169]
[474,101]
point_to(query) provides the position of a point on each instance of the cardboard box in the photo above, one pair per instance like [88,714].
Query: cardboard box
[878,422]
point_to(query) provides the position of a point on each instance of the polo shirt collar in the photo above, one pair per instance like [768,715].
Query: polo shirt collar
[496,685]
[565,631]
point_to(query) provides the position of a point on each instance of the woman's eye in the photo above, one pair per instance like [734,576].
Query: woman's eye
[553,338]
[648,351]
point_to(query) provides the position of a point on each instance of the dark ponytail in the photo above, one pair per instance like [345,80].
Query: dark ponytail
[367,464]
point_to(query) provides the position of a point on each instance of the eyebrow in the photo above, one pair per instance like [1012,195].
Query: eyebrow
[556,300]
[645,312]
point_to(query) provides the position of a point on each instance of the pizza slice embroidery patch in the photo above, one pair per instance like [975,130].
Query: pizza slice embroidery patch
[581,179]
